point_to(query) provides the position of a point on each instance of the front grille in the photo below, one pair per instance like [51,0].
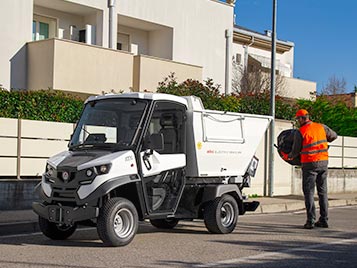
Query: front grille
[70,178]
[64,194]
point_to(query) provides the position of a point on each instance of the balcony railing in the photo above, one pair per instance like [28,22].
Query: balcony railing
[76,67]
[299,89]
[148,71]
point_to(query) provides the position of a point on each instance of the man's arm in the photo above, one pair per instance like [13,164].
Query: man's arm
[330,134]
[297,145]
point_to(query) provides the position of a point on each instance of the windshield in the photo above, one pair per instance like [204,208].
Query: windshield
[110,123]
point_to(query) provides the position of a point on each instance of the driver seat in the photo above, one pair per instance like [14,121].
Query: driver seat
[168,130]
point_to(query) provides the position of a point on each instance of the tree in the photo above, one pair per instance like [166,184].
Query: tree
[335,85]
[255,80]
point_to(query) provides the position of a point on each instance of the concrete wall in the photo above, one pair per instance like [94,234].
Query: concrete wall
[198,29]
[76,67]
[149,71]
[16,195]
[339,181]
[282,170]
[18,15]
[299,89]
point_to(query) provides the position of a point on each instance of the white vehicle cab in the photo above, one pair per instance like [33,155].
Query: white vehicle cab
[138,156]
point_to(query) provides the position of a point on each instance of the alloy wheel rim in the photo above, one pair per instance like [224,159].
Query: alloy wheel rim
[123,223]
[227,214]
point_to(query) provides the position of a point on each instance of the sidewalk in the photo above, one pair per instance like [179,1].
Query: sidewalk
[25,221]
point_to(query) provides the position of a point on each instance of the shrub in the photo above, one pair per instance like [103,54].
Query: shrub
[337,116]
[46,105]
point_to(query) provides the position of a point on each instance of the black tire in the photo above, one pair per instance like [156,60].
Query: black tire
[117,222]
[55,231]
[164,223]
[221,215]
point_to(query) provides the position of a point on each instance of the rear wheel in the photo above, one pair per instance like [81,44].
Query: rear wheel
[221,215]
[117,222]
[165,223]
[56,231]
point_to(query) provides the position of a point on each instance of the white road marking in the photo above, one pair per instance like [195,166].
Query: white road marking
[274,255]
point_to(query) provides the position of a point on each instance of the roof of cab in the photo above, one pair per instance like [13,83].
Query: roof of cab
[140,95]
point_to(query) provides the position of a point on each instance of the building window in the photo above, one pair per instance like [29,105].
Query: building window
[43,28]
[238,58]
[44,31]
[123,42]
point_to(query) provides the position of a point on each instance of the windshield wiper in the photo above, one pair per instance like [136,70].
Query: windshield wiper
[110,146]
[80,146]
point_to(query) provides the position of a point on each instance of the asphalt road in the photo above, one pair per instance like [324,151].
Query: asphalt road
[262,240]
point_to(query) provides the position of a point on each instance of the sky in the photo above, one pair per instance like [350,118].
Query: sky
[324,33]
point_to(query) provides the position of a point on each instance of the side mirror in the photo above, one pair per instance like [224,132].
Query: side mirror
[155,142]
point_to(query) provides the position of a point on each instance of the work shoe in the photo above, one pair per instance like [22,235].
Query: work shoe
[309,225]
[322,224]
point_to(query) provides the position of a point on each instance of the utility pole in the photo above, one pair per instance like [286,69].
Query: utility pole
[228,69]
[272,103]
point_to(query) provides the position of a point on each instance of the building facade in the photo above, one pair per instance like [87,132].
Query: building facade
[89,46]
[251,49]
[94,46]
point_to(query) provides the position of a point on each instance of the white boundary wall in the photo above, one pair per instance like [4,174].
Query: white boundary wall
[26,144]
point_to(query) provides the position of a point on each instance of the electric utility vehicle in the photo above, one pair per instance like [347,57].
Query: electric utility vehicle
[156,157]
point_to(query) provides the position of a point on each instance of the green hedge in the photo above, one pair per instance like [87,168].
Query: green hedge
[212,98]
[50,105]
[46,105]
[336,115]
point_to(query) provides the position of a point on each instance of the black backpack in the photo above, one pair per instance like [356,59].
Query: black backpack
[285,144]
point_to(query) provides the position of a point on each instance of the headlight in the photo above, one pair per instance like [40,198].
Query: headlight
[50,171]
[103,169]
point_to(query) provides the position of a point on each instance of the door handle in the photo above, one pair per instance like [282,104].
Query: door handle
[146,161]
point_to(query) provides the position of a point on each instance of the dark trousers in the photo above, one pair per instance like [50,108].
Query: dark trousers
[310,177]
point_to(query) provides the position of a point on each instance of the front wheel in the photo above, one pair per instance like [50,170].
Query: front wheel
[165,223]
[221,215]
[56,231]
[117,222]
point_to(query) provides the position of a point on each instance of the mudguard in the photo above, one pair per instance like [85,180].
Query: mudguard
[213,191]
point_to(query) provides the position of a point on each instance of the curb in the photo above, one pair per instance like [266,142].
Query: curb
[295,206]
[18,228]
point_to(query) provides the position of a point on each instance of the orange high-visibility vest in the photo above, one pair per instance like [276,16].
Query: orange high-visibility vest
[314,145]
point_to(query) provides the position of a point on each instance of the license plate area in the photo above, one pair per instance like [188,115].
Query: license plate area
[55,214]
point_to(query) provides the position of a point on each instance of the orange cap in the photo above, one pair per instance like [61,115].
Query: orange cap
[301,112]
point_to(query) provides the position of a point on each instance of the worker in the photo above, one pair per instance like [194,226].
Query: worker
[310,142]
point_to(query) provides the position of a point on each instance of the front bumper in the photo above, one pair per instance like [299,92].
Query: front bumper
[251,206]
[65,214]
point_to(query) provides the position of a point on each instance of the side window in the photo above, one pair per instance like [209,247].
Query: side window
[168,119]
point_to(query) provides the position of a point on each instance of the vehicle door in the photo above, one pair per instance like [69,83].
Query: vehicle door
[163,158]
